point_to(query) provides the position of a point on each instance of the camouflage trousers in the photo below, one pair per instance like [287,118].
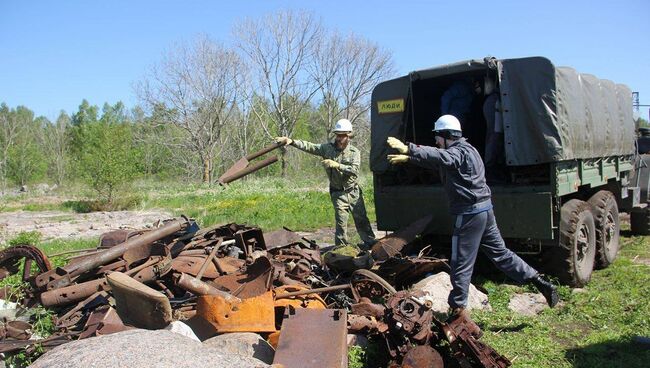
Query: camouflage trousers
[346,203]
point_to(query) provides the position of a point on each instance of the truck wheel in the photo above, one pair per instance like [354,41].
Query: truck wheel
[640,221]
[605,211]
[573,259]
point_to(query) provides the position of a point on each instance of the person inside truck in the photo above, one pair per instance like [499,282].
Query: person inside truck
[494,157]
[470,203]
[457,99]
[341,161]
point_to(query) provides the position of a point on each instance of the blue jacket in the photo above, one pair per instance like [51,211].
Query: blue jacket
[463,175]
[457,100]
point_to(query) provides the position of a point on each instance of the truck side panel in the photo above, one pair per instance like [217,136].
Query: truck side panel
[524,213]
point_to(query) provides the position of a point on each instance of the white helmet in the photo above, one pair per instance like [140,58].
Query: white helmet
[343,126]
[450,125]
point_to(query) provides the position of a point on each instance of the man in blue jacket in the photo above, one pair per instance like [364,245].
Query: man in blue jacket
[470,202]
[457,99]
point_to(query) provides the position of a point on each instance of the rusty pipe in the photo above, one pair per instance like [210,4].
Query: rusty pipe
[73,293]
[211,257]
[263,151]
[250,169]
[79,292]
[64,274]
[198,287]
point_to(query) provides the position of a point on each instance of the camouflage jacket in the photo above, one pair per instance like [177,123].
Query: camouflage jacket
[343,178]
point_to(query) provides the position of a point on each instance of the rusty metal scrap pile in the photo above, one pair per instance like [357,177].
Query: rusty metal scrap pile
[235,278]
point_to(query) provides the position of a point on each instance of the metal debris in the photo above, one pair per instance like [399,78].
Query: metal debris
[242,168]
[313,338]
[236,278]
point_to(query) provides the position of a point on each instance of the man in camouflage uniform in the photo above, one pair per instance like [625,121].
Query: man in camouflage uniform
[341,161]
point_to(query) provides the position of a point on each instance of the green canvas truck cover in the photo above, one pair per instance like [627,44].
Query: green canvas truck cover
[550,113]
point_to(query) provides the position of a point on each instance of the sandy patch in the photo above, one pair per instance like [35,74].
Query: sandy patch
[68,225]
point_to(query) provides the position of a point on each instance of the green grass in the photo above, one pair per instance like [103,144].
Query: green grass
[269,203]
[593,328]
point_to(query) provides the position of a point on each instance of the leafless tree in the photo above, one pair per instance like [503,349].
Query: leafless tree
[347,68]
[10,125]
[279,48]
[56,141]
[198,84]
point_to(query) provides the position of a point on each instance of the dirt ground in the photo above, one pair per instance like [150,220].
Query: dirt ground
[70,225]
[67,225]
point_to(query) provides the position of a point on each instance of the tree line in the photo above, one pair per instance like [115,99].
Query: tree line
[204,105]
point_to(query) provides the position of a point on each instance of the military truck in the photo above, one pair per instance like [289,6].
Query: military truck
[569,162]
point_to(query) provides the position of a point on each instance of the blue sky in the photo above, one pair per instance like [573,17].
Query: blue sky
[55,53]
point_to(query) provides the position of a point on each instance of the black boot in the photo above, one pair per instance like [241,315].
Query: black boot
[547,289]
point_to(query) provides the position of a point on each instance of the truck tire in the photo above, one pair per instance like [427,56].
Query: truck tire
[573,259]
[605,211]
[640,221]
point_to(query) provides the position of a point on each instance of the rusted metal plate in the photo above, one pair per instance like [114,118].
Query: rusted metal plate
[280,238]
[313,338]
[255,281]
[394,243]
[255,314]
[102,321]
[192,264]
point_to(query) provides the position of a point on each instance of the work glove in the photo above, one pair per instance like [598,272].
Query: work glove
[285,141]
[398,145]
[331,164]
[398,159]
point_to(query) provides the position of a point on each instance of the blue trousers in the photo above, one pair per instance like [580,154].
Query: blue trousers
[472,232]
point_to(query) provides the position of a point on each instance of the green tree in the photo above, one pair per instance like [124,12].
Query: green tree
[87,114]
[26,159]
[107,160]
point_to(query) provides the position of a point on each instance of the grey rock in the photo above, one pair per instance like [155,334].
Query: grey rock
[527,304]
[438,287]
[141,348]
[243,343]
[357,340]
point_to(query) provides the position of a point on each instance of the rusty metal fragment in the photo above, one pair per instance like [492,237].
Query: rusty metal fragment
[394,243]
[280,238]
[235,278]
[313,338]
[256,314]
[402,272]
[254,281]
[11,257]
[138,304]
[463,336]
[422,356]
[62,276]
[241,168]
[102,321]
[198,287]
[15,330]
